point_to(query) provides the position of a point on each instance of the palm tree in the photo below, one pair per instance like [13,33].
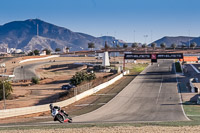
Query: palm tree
[173,46]
[144,46]
[106,46]
[163,45]
[125,45]
[118,46]
[135,45]
[193,45]
[153,45]
[91,45]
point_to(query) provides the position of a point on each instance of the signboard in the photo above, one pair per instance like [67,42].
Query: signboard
[170,56]
[137,56]
[154,56]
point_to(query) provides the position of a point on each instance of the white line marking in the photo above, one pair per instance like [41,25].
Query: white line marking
[194,68]
[194,115]
[159,90]
[180,97]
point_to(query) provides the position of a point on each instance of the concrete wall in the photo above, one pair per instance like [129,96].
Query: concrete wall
[42,108]
[43,58]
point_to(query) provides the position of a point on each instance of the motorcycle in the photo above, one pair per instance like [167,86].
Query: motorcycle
[60,115]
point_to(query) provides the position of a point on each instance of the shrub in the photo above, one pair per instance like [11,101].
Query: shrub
[35,80]
[82,76]
[178,67]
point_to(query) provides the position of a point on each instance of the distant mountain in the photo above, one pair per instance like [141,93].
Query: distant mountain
[180,40]
[196,40]
[23,35]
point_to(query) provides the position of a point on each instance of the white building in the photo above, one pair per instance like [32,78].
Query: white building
[4,50]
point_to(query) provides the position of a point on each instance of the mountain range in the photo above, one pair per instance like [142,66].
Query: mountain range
[34,34]
[179,41]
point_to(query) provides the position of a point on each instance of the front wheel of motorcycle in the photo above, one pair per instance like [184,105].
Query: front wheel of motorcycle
[70,120]
[60,118]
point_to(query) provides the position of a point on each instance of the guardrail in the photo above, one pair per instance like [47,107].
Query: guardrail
[42,108]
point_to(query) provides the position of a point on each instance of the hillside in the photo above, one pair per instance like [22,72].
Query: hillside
[23,35]
[180,40]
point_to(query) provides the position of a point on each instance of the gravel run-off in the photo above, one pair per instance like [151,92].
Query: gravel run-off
[117,129]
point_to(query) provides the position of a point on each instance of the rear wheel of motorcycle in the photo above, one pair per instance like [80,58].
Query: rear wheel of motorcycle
[60,118]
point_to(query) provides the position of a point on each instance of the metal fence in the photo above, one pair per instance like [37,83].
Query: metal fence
[79,89]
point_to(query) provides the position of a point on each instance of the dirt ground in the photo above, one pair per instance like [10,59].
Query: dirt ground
[117,129]
[53,76]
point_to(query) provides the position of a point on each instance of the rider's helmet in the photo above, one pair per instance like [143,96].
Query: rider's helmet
[51,106]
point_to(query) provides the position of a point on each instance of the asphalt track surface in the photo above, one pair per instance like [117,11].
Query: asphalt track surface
[26,72]
[151,96]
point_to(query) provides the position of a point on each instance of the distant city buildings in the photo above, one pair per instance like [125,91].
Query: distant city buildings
[6,50]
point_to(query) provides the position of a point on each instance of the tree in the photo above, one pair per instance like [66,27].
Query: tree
[193,45]
[125,45]
[8,89]
[91,45]
[144,45]
[135,45]
[153,45]
[173,46]
[36,52]
[57,50]
[30,54]
[106,46]
[163,45]
[118,46]
[48,52]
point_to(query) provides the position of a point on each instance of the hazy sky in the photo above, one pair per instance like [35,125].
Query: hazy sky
[119,18]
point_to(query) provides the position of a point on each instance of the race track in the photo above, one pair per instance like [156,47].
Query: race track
[151,96]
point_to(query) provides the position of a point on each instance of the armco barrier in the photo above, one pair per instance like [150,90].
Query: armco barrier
[42,108]
[43,58]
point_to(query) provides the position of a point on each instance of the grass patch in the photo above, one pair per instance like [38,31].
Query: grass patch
[178,67]
[191,109]
[138,68]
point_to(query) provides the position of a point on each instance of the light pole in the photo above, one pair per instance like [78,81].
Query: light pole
[145,38]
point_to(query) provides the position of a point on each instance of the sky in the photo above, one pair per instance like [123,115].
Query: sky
[141,21]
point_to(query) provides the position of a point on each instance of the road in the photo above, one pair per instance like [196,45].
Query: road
[151,96]
[26,72]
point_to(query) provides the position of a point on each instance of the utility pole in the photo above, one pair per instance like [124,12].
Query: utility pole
[37,30]
[189,38]
[4,93]
[145,38]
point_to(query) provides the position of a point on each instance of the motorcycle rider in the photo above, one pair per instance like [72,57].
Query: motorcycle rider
[58,108]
